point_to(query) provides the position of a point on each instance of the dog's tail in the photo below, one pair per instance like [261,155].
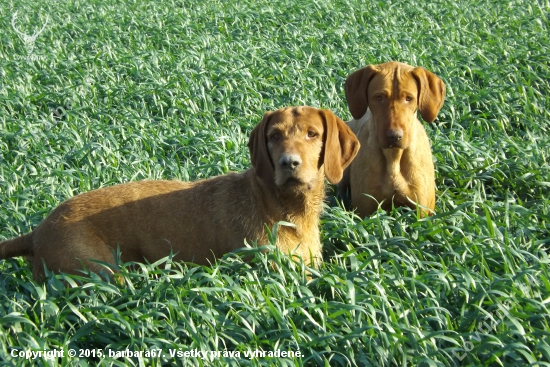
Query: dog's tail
[20,246]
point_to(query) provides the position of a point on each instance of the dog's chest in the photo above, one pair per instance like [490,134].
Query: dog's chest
[394,185]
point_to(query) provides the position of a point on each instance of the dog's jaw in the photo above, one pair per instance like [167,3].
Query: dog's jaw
[293,183]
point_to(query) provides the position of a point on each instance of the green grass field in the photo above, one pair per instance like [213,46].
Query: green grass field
[119,90]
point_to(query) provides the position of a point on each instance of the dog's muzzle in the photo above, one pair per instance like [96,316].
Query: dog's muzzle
[290,161]
[394,136]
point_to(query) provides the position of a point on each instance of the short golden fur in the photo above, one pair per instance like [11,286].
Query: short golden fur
[292,150]
[394,164]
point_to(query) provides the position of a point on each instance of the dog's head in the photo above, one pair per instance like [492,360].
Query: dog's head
[292,146]
[394,92]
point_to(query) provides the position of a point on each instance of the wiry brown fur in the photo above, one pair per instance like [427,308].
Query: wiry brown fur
[202,220]
[384,99]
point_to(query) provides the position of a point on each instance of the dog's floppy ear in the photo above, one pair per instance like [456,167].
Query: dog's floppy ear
[431,94]
[341,146]
[356,88]
[259,155]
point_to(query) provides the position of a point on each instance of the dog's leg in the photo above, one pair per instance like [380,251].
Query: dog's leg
[66,250]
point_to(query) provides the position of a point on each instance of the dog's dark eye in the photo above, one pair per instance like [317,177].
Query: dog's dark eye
[378,98]
[276,136]
[311,134]
[408,98]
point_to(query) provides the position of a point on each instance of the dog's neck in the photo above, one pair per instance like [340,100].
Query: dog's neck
[296,204]
[393,160]
[288,204]
[302,209]
[363,120]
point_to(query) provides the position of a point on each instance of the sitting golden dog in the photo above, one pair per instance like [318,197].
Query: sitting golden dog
[292,150]
[394,164]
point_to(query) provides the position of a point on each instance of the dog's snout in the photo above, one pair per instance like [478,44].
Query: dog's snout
[395,136]
[290,161]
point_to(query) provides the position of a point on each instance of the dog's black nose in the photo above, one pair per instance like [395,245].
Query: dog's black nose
[394,135]
[290,161]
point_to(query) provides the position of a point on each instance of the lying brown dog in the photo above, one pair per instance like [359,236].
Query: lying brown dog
[394,164]
[292,150]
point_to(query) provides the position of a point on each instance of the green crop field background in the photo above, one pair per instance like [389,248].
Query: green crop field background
[112,91]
